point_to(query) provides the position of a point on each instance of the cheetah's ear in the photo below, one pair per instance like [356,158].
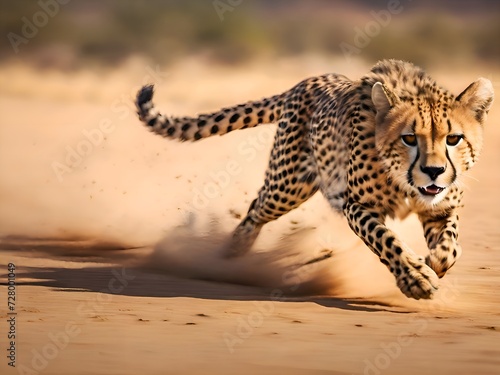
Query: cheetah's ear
[383,99]
[477,97]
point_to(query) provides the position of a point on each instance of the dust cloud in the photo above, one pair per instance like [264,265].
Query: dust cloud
[87,172]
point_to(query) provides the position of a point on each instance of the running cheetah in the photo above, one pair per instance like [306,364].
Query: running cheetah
[388,144]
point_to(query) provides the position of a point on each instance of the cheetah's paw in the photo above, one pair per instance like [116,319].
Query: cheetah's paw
[416,279]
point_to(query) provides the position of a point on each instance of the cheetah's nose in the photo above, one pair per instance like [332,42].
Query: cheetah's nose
[433,172]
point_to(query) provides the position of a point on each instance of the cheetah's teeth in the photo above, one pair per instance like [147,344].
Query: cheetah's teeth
[431,190]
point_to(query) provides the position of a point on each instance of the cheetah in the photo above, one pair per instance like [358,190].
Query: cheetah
[388,144]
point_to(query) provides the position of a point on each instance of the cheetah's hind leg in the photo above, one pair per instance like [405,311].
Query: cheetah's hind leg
[243,237]
[281,193]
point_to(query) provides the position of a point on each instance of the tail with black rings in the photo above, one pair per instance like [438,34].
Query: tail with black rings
[241,116]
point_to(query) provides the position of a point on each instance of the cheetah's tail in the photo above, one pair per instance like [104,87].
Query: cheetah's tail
[241,116]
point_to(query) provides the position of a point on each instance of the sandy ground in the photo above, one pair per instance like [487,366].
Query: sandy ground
[115,236]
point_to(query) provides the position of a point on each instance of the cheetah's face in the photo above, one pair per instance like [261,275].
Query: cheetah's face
[427,142]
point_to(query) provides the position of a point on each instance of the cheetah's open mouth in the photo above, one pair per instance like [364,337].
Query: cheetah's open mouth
[430,190]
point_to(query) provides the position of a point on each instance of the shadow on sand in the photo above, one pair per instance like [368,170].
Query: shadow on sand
[143,272]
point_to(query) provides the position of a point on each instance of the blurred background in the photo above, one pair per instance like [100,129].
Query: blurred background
[105,33]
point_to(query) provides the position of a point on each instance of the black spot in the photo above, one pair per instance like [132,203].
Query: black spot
[152,121]
[247,120]
[248,110]
[197,136]
[171,130]
[398,250]
[220,117]
[186,127]
[214,129]
[358,214]
[364,220]
[234,118]
[389,241]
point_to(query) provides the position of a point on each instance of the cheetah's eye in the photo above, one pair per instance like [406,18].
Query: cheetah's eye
[409,139]
[454,139]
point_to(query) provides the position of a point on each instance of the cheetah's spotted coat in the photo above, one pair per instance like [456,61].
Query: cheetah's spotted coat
[390,143]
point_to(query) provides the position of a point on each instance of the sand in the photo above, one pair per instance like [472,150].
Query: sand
[116,235]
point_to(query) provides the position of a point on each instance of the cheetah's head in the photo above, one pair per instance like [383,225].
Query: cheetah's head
[428,140]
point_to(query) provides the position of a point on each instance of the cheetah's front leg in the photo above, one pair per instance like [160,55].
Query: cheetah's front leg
[441,233]
[413,276]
